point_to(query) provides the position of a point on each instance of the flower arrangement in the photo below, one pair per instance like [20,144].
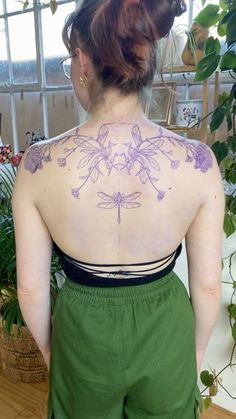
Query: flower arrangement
[16,159]
[5,154]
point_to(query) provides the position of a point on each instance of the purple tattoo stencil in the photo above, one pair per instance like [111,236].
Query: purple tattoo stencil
[40,153]
[139,157]
[119,200]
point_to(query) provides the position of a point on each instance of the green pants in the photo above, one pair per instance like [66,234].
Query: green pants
[123,353]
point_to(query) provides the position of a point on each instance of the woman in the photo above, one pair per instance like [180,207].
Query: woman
[116,196]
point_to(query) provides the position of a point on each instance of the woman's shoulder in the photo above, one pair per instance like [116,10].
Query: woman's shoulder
[196,154]
[38,154]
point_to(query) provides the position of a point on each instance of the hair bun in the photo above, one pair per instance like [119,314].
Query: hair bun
[120,35]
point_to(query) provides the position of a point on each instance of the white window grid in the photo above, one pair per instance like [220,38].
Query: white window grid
[40,86]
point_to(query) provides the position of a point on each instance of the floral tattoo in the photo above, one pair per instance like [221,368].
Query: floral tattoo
[99,156]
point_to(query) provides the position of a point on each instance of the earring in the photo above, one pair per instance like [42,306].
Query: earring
[83,81]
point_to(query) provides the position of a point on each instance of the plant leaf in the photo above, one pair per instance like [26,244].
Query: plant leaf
[224,5]
[209,16]
[221,27]
[232,176]
[206,378]
[207,402]
[234,331]
[229,121]
[228,162]
[207,66]
[217,117]
[220,150]
[25,5]
[212,44]
[213,390]
[232,310]
[231,142]
[53,6]
[228,16]
[228,61]
[229,227]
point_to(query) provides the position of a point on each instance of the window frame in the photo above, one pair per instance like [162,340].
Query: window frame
[40,86]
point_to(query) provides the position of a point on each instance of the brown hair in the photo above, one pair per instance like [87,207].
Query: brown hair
[119,36]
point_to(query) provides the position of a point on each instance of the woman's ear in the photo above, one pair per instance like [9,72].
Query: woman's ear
[84,61]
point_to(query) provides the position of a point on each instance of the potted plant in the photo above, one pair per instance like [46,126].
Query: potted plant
[194,49]
[223,16]
[21,358]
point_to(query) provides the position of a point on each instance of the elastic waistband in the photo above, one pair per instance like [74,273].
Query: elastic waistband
[120,295]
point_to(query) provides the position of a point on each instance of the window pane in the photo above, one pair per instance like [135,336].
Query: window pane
[22,43]
[1,7]
[29,116]
[63,108]
[5,110]
[14,5]
[4,67]
[54,49]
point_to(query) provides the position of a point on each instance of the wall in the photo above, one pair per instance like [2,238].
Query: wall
[62,113]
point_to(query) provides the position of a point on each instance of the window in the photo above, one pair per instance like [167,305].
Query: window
[32,83]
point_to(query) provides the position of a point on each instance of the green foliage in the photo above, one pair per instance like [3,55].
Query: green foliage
[232,310]
[226,158]
[224,15]
[229,224]
[211,382]
[234,331]
[207,66]
[220,150]
[228,61]
[209,16]
[212,45]
[207,402]
[206,378]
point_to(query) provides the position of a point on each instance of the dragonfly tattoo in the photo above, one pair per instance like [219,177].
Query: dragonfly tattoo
[119,200]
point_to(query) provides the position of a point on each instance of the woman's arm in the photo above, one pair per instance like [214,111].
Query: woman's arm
[33,255]
[203,245]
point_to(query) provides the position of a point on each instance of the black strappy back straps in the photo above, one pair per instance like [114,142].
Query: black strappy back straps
[87,273]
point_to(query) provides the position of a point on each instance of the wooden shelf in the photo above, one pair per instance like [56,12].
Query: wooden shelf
[190,130]
[179,69]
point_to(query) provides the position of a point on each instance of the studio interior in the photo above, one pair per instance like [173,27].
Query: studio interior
[193,94]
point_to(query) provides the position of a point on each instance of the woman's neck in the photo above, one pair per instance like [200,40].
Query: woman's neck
[116,108]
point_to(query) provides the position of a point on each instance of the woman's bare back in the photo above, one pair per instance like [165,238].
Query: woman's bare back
[119,193]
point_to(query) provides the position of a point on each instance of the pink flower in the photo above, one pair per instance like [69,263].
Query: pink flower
[15,160]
